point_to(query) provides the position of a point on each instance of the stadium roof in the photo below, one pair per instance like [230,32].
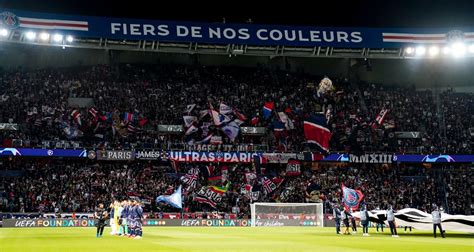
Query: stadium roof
[371,13]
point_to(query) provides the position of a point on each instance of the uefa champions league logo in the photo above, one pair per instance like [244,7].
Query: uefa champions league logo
[9,20]
[439,158]
[13,151]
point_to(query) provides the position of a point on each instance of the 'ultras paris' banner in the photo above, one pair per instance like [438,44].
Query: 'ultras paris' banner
[222,157]
[220,33]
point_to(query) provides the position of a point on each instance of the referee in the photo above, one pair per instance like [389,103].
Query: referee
[100,215]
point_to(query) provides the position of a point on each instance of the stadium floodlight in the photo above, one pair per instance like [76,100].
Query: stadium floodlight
[420,50]
[471,48]
[447,50]
[30,35]
[433,51]
[69,39]
[3,32]
[44,36]
[458,49]
[58,38]
[409,50]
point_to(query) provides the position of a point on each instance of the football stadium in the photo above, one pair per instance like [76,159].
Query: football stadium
[123,130]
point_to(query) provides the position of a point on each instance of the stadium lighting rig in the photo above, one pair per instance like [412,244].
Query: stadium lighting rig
[4,32]
[433,51]
[457,50]
[420,51]
[55,38]
[30,35]
[44,36]
[446,50]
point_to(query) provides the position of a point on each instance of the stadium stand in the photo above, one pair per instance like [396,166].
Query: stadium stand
[158,95]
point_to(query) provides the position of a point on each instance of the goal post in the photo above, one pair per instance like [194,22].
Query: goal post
[286,214]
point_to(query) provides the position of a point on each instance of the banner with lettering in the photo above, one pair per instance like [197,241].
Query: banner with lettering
[223,33]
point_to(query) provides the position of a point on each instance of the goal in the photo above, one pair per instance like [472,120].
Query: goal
[286,214]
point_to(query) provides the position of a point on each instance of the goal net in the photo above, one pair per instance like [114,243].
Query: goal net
[287,214]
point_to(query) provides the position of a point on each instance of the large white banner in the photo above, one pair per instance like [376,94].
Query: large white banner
[423,221]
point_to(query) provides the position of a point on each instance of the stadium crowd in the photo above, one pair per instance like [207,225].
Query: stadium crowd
[76,186]
[39,101]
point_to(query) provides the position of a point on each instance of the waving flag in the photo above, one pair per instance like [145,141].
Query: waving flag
[231,130]
[317,132]
[128,117]
[173,200]
[205,140]
[189,108]
[93,112]
[293,168]
[351,198]
[188,120]
[239,115]
[190,179]
[220,189]
[287,121]
[250,177]
[254,121]
[76,115]
[224,109]
[142,121]
[268,185]
[214,180]
[380,118]
[219,119]
[203,113]
[131,128]
[192,129]
[208,196]
[267,109]
[72,132]
[259,161]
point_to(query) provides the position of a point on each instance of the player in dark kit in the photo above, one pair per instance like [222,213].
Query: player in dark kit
[138,216]
[337,218]
[100,215]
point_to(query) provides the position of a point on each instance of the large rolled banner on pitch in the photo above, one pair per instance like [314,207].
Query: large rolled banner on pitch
[423,221]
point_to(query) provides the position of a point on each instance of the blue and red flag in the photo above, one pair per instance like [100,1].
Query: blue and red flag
[267,109]
[128,117]
[317,132]
[351,198]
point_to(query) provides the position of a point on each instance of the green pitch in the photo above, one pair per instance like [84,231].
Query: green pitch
[226,239]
